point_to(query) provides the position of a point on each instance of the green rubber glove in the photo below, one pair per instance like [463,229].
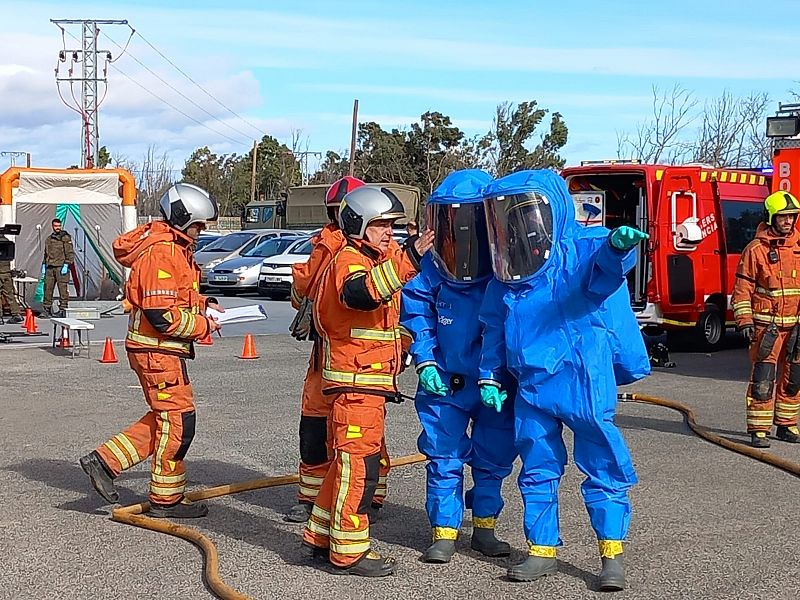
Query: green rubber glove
[625,237]
[431,381]
[493,397]
[64,269]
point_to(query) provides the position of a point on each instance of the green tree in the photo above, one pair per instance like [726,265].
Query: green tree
[277,169]
[506,147]
[103,157]
[332,168]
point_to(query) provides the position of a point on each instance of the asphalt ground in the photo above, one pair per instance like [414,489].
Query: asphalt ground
[707,523]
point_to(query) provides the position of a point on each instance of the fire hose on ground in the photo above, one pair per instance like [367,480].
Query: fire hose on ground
[132,515]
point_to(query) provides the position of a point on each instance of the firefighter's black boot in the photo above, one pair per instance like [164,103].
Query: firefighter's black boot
[485,542]
[100,476]
[371,564]
[612,575]
[788,434]
[758,439]
[181,510]
[533,568]
[440,552]
[299,513]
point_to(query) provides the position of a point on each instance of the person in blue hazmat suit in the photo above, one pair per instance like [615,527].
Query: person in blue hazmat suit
[558,317]
[440,309]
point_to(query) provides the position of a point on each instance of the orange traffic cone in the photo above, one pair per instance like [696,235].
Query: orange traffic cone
[249,347]
[109,356]
[28,317]
[30,326]
[206,341]
[64,341]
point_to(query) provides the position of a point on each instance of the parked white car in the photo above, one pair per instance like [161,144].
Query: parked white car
[275,280]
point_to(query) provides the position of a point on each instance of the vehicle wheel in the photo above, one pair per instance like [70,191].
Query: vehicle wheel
[711,328]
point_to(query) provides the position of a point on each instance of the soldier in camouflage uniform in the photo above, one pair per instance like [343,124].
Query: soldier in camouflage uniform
[58,256]
[7,295]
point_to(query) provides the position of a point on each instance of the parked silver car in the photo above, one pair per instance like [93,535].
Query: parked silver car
[240,274]
[233,245]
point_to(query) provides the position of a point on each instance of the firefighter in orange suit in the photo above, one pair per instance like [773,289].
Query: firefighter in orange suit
[316,441]
[166,317]
[357,315]
[766,305]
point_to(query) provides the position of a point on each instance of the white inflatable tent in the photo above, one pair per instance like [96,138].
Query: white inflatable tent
[95,207]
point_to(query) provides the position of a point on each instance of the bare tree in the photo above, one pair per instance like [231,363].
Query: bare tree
[153,176]
[731,133]
[659,139]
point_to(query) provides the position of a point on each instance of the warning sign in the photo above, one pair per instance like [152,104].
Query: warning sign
[590,208]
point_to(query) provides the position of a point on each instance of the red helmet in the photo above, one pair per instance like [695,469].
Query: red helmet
[339,189]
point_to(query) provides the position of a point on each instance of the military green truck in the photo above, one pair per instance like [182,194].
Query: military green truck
[304,208]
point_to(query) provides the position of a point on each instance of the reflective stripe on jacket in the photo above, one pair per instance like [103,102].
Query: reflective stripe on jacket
[767,286]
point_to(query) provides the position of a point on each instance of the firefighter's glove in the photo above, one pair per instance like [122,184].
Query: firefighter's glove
[431,381]
[44,270]
[625,237]
[749,333]
[64,268]
[493,397]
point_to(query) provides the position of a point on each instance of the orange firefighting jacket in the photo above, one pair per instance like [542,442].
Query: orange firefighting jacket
[162,289]
[767,286]
[306,276]
[357,313]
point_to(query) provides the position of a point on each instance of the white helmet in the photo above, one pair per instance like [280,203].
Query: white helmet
[366,204]
[183,204]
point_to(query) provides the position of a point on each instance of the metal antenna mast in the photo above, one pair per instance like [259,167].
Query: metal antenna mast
[89,78]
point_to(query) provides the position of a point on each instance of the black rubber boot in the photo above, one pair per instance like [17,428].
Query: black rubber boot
[485,542]
[374,512]
[533,568]
[299,513]
[612,575]
[788,434]
[758,439]
[316,554]
[16,319]
[100,476]
[440,552]
[182,510]
[371,564]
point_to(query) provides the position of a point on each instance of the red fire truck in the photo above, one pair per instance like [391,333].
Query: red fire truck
[699,220]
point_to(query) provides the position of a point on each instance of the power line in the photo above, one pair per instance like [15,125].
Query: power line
[177,91]
[175,108]
[204,90]
[172,106]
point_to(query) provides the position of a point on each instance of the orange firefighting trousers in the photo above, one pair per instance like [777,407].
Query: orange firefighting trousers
[765,404]
[164,433]
[316,441]
[339,519]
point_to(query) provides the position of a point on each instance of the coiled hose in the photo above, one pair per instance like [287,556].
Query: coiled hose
[132,515]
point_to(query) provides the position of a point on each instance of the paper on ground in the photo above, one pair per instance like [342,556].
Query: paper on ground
[240,314]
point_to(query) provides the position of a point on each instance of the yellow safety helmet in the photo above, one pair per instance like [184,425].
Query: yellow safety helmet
[781,203]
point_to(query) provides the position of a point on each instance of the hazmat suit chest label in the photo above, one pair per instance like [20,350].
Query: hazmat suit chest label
[362,348]
[458,328]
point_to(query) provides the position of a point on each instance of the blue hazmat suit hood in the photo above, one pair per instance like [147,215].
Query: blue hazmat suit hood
[530,215]
[456,214]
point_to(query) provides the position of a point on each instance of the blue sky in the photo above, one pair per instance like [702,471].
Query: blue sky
[287,66]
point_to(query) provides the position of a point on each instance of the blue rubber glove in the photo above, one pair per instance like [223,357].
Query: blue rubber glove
[493,397]
[44,270]
[625,237]
[431,381]
[64,269]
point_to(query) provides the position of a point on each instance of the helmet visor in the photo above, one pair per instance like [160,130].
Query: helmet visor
[461,246]
[520,234]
